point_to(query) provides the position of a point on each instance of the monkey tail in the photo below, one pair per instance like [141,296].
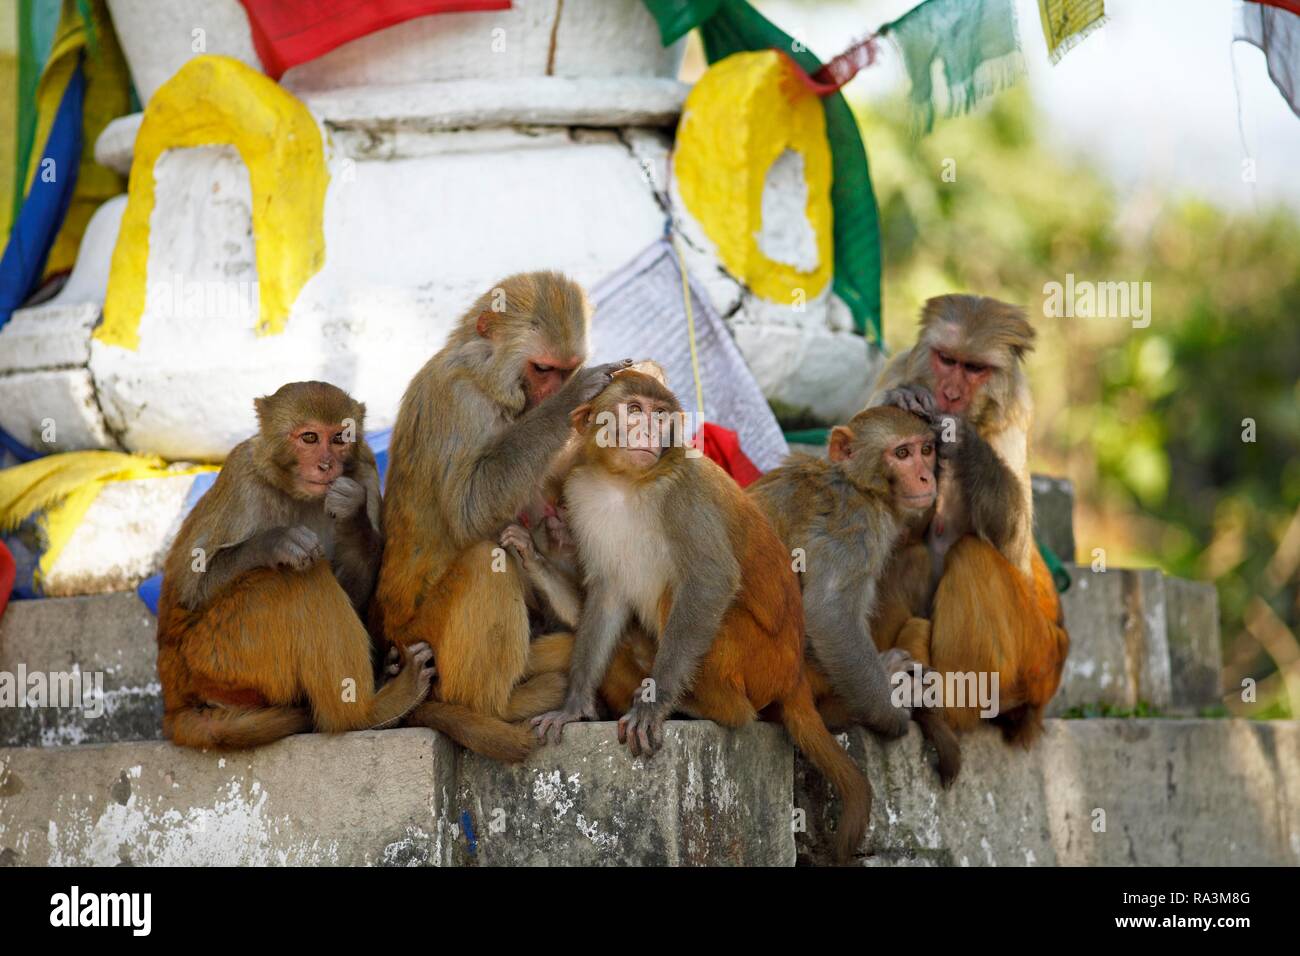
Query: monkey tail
[805,726]
[481,733]
[234,728]
[936,730]
[1022,724]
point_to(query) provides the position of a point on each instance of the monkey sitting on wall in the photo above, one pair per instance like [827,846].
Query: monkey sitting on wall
[259,633]
[995,608]
[690,604]
[480,427]
[844,516]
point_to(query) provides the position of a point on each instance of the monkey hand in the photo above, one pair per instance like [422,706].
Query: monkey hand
[586,383]
[550,725]
[642,728]
[518,540]
[916,399]
[557,530]
[903,668]
[297,548]
[345,498]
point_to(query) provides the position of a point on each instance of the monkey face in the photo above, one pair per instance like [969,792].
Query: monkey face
[910,464]
[544,374]
[632,424]
[321,452]
[957,380]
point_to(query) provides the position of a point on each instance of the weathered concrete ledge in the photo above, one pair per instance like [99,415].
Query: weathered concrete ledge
[357,799]
[112,636]
[1090,792]
[709,797]
[1139,637]
[405,797]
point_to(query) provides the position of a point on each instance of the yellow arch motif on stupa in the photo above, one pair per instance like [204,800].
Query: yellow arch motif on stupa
[740,118]
[218,101]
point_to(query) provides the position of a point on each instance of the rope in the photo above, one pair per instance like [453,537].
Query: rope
[690,325]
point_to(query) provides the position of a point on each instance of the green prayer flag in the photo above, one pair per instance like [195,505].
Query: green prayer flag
[976,45]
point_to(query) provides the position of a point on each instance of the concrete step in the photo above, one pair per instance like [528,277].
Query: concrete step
[108,642]
[1124,792]
[1140,637]
[404,797]
[1093,792]
[1137,637]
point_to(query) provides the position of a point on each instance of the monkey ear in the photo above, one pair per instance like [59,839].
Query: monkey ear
[579,416]
[484,324]
[841,444]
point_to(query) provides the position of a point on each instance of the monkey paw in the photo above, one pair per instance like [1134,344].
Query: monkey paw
[916,399]
[518,540]
[419,662]
[641,728]
[297,548]
[345,498]
[550,725]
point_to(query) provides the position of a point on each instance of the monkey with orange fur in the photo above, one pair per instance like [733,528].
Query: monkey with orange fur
[259,634]
[690,602]
[479,428]
[994,607]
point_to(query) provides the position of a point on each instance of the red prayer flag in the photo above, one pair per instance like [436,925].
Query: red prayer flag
[8,571]
[723,446]
[289,32]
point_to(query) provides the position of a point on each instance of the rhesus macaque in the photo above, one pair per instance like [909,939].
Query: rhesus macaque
[680,567]
[994,607]
[478,430]
[259,633]
[841,519]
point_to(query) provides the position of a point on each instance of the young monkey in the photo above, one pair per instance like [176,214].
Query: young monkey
[259,628]
[846,515]
[671,543]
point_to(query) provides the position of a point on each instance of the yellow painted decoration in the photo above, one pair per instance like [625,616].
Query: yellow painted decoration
[742,115]
[64,486]
[216,100]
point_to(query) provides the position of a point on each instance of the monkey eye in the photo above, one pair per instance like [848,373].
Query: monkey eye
[309,438]
[901,451]
[927,449]
[976,369]
[633,408]
[338,439]
[542,369]
[947,360]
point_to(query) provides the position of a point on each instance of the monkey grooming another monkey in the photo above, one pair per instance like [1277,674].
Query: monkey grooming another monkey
[479,427]
[671,545]
[995,608]
[259,634]
[845,516]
